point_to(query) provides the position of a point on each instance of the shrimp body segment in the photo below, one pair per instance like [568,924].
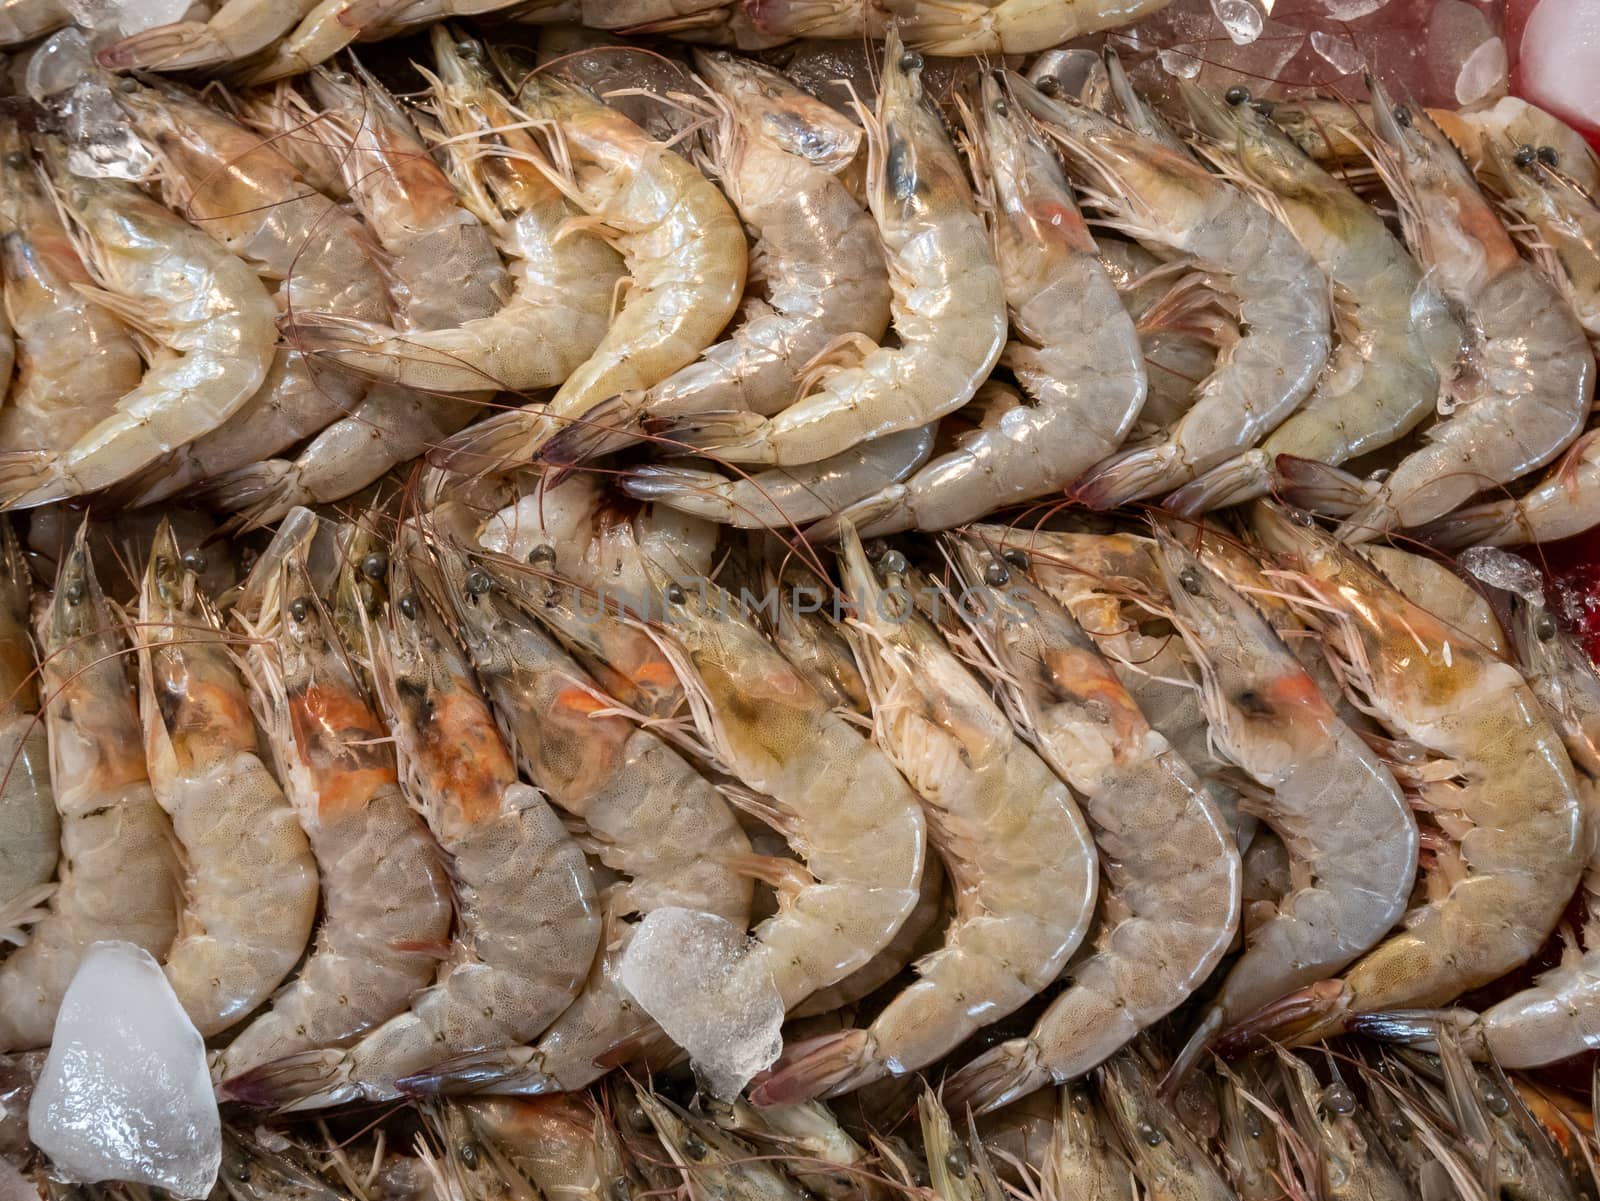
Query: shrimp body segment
[117,877]
[948,307]
[236,30]
[1163,197]
[1171,870]
[385,899]
[250,883]
[203,304]
[1501,789]
[1022,865]
[30,829]
[951,28]
[1348,828]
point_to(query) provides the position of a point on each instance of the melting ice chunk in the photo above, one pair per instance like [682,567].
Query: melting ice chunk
[125,1094]
[1337,49]
[125,16]
[1505,571]
[1484,73]
[1241,20]
[696,975]
[58,64]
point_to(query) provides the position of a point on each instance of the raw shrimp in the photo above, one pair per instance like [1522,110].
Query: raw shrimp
[24,20]
[1341,814]
[1165,198]
[75,359]
[1167,1160]
[816,1150]
[1079,359]
[788,496]
[813,642]
[1500,790]
[1432,585]
[1351,1164]
[713,1162]
[1248,1138]
[241,191]
[204,306]
[117,877]
[948,304]
[561,1143]
[643,811]
[1023,869]
[1566,502]
[950,28]
[1171,870]
[32,828]
[1081,1161]
[1533,370]
[1383,378]
[835,797]
[816,256]
[385,896]
[563,281]
[527,922]
[249,883]
[236,30]
[683,252]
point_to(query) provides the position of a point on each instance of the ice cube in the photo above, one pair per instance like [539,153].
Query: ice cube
[125,1094]
[700,977]
[1241,20]
[1560,47]
[1484,73]
[1505,571]
[59,63]
[100,142]
[1349,10]
[1179,64]
[1338,50]
[124,17]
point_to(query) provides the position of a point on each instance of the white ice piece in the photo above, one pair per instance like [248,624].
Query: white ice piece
[1339,50]
[125,1094]
[1241,20]
[1349,10]
[696,975]
[1505,571]
[1560,47]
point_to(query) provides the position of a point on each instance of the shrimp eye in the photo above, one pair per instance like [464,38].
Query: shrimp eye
[892,563]
[1264,107]
[16,160]
[1496,1102]
[956,1160]
[1189,581]
[996,573]
[675,594]
[341,77]
[469,1154]
[1049,86]
[127,84]
[241,1172]
[1400,1128]
[1001,108]
[1548,156]
[1545,628]
[1252,1125]
[693,1147]
[1525,156]
[469,50]
[1017,558]
[543,553]
[299,607]
[1402,116]
[1252,704]
[375,566]
[478,582]
[163,565]
[1237,95]
[74,591]
[408,605]
[194,561]
[1339,1099]
[1151,1136]
[911,61]
[619,1189]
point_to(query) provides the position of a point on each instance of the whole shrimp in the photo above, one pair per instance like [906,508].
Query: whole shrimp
[117,877]
[236,30]
[1384,376]
[1532,368]
[1348,828]
[949,28]
[836,797]
[562,281]
[527,922]
[825,285]
[444,271]
[1079,358]
[236,187]
[714,1163]
[642,810]
[683,253]
[1023,868]
[32,828]
[1563,504]
[1081,1158]
[1171,870]
[1500,789]
[75,359]
[385,898]
[249,882]
[948,305]
[205,307]
[563,1144]
[1167,1159]
[1351,1165]
[1163,197]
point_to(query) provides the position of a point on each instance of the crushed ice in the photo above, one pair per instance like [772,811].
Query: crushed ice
[1505,571]
[1338,50]
[125,1094]
[696,975]
[1349,10]
[1241,20]
[62,75]
[1484,73]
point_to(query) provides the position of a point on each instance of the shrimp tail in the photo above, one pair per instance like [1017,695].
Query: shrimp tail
[816,1067]
[613,424]
[655,482]
[1491,524]
[998,1077]
[28,478]
[1243,477]
[1319,487]
[256,495]
[1129,477]
[1199,1042]
[173,45]
[495,1070]
[510,437]
[309,1079]
[725,433]
[884,512]
[1419,1028]
[1307,1015]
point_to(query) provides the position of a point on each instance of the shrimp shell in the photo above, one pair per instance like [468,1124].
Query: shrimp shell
[32,828]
